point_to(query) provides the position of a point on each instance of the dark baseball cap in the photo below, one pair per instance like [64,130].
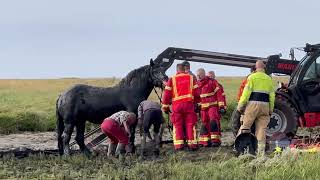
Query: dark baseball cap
[186,63]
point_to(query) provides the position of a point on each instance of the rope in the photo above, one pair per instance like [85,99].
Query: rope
[160,98]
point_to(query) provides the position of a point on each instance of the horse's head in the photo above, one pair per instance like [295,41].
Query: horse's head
[157,74]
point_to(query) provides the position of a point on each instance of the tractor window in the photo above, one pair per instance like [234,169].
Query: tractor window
[314,70]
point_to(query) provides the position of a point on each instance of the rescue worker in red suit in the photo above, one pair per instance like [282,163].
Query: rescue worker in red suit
[182,92]
[117,128]
[210,95]
[212,75]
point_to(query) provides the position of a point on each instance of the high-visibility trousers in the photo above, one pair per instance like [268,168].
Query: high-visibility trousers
[184,121]
[258,113]
[115,132]
[210,128]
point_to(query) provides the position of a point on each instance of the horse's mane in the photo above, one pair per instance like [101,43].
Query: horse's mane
[140,72]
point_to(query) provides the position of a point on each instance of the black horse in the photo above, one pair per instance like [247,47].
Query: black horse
[82,102]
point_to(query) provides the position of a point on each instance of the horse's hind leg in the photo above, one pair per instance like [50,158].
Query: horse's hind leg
[67,136]
[131,146]
[81,125]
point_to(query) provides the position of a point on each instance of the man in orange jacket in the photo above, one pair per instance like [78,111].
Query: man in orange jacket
[210,95]
[182,92]
[244,82]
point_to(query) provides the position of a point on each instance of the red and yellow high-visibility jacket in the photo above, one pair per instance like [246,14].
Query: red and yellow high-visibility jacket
[210,93]
[180,88]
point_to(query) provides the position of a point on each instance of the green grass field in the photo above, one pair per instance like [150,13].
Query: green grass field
[29,105]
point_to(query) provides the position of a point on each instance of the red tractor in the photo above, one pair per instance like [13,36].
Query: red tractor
[297,104]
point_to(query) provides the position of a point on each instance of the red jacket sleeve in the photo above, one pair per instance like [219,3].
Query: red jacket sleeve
[196,91]
[220,99]
[243,84]
[223,99]
[167,96]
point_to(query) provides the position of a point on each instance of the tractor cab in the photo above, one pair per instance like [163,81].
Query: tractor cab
[304,86]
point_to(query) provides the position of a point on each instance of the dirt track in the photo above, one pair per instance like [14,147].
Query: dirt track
[47,140]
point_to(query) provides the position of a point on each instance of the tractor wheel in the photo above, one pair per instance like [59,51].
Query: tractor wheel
[284,118]
[235,123]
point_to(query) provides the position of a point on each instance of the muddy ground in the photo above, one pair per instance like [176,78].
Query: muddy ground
[47,140]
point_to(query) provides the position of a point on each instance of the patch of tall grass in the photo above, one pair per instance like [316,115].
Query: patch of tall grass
[212,165]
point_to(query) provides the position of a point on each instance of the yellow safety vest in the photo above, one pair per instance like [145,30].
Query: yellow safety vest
[259,85]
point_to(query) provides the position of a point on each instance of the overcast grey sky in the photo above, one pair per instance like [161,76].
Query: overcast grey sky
[99,38]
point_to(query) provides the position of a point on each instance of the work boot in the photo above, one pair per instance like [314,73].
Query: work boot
[215,144]
[192,149]
[121,151]
[178,149]
[111,149]
[261,149]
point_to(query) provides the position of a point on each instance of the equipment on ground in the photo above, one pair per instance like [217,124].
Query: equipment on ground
[297,104]
[246,142]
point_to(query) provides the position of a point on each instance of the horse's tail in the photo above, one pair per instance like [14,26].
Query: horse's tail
[60,127]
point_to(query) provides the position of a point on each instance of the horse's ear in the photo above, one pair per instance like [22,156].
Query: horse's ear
[151,62]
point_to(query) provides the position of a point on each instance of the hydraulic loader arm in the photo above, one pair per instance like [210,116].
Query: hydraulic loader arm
[273,63]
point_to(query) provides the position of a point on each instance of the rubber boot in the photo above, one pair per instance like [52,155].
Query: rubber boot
[111,149]
[215,144]
[204,139]
[121,151]
[261,149]
[215,138]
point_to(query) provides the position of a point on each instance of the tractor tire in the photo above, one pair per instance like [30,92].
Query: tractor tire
[235,123]
[284,118]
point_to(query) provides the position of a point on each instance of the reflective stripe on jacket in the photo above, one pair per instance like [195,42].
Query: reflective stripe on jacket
[258,83]
[210,93]
[180,88]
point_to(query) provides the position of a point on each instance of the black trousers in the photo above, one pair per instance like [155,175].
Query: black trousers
[152,117]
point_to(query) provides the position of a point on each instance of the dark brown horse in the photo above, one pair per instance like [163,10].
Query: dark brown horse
[84,103]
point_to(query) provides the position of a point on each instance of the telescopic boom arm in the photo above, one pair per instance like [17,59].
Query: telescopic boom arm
[273,63]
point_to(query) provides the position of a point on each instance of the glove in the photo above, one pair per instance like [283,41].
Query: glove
[165,110]
[222,111]
[270,112]
[197,108]
[241,108]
